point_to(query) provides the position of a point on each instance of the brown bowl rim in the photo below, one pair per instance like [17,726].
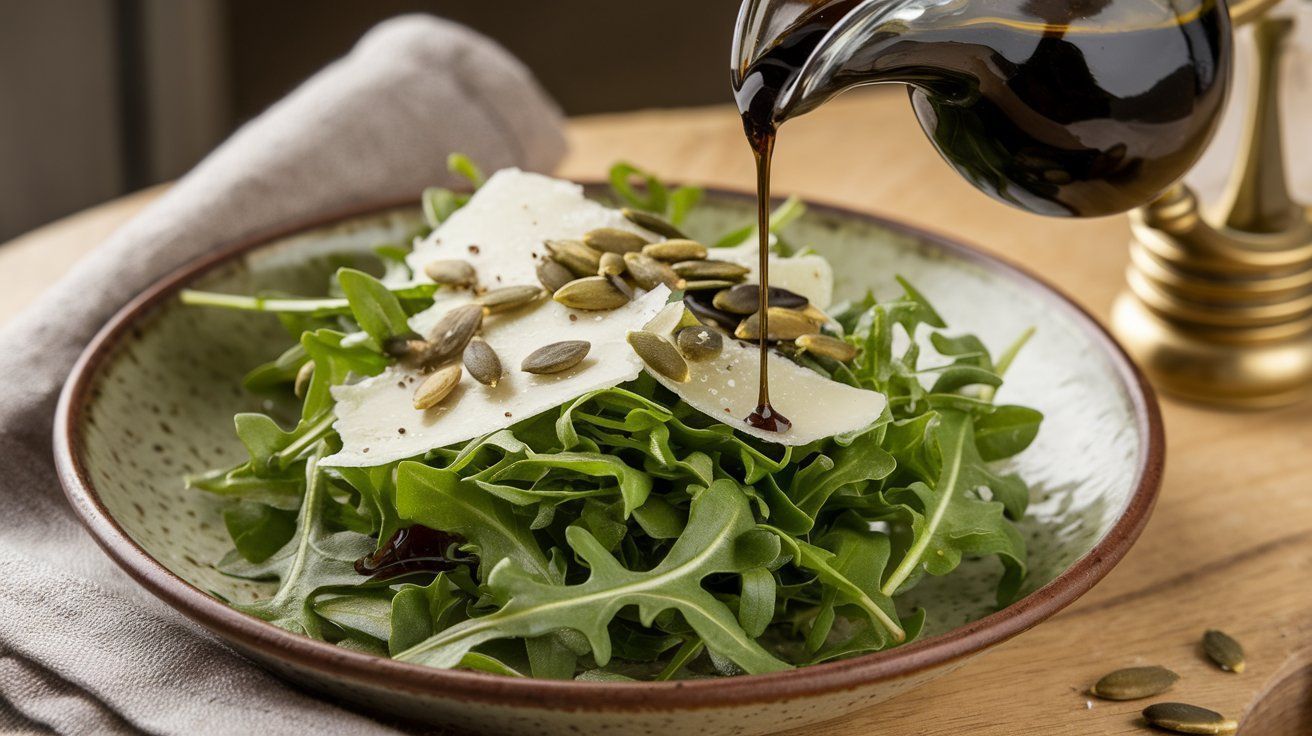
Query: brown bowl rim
[571,695]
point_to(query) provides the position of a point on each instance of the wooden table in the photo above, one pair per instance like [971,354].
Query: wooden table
[1230,545]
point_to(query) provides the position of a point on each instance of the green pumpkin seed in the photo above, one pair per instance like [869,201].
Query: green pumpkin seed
[707,285]
[482,362]
[745,299]
[592,293]
[1224,651]
[437,387]
[509,297]
[699,343]
[452,333]
[711,269]
[612,264]
[1133,683]
[659,355]
[574,255]
[649,273]
[303,377]
[451,273]
[674,251]
[552,275]
[1185,718]
[784,324]
[653,223]
[556,357]
[829,347]
[614,240]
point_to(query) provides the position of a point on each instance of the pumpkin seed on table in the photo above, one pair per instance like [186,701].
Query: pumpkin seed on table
[552,275]
[784,324]
[698,343]
[482,362]
[1185,718]
[649,273]
[1133,683]
[612,264]
[452,332]
[556,357]
[437,387]
[674,251]
[303,377]
[451,272]
[1224,651]
[653,223]
[614,240]
[508,297]
[711,269]
[746,299]
[659,355]
[594,293]
[829,347]
[706,284]
[580,259]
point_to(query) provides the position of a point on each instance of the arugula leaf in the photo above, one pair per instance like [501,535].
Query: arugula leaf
[375,308]
[719,539]
[621,178]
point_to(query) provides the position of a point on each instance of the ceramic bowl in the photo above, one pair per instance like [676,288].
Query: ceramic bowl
[153,396]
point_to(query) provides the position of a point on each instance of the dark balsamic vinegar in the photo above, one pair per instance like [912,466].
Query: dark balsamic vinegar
[1059,107]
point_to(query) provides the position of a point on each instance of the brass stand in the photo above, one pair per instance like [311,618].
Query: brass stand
[1222,313]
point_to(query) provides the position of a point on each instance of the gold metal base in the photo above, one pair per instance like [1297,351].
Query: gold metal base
[1222,313]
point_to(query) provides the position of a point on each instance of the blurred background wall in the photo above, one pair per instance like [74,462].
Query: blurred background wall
[102,97]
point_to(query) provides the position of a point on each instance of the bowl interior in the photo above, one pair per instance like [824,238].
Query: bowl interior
[162,403]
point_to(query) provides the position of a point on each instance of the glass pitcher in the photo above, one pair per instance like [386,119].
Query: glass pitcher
[1059,107]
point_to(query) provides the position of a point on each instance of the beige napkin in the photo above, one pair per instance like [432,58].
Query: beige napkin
[82,649]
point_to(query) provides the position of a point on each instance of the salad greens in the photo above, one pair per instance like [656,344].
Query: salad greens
[623,535]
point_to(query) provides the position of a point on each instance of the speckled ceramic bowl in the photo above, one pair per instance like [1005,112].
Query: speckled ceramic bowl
[153,397]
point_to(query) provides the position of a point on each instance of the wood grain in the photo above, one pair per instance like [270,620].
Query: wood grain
[1229,546]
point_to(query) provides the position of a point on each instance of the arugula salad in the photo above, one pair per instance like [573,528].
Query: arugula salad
[520,447]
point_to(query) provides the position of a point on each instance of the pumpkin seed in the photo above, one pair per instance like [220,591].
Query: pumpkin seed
[1224,651]
[303,377]
[711,269]
[652,223]
[703,311]
[556,357]
[580,259]
[482,362]
[452,333]
[509,297]
[552,275]
[649,273]
[785,324]
[707,285]
[699,343]
[673,251]
[829,347]
[614,240]
[659,355]
[745,299]
[1185,718]
[612,264]
[451,272]
[437,387]
[592,293]
[1133,683]
[622,286]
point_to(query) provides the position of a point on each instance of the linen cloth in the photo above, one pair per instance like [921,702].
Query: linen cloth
[82,649]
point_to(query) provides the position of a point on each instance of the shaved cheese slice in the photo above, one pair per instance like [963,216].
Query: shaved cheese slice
[724,388]
[378,423]
[808,275]
[509,218]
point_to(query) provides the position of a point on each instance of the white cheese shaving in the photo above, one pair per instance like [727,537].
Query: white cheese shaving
[809,275]
[724,388]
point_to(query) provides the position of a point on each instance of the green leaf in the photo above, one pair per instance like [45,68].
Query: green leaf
[719,539]
[258,530]
[682,201]
[375,308]
[1006,432]
[633,485]
[440,203]
[853,465]
[756,601]
[621,178]
[462,165]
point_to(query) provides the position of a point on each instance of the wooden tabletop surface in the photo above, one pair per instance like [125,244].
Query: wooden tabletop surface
[1229,546]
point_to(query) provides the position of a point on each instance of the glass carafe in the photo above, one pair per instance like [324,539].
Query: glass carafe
[1059,107]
